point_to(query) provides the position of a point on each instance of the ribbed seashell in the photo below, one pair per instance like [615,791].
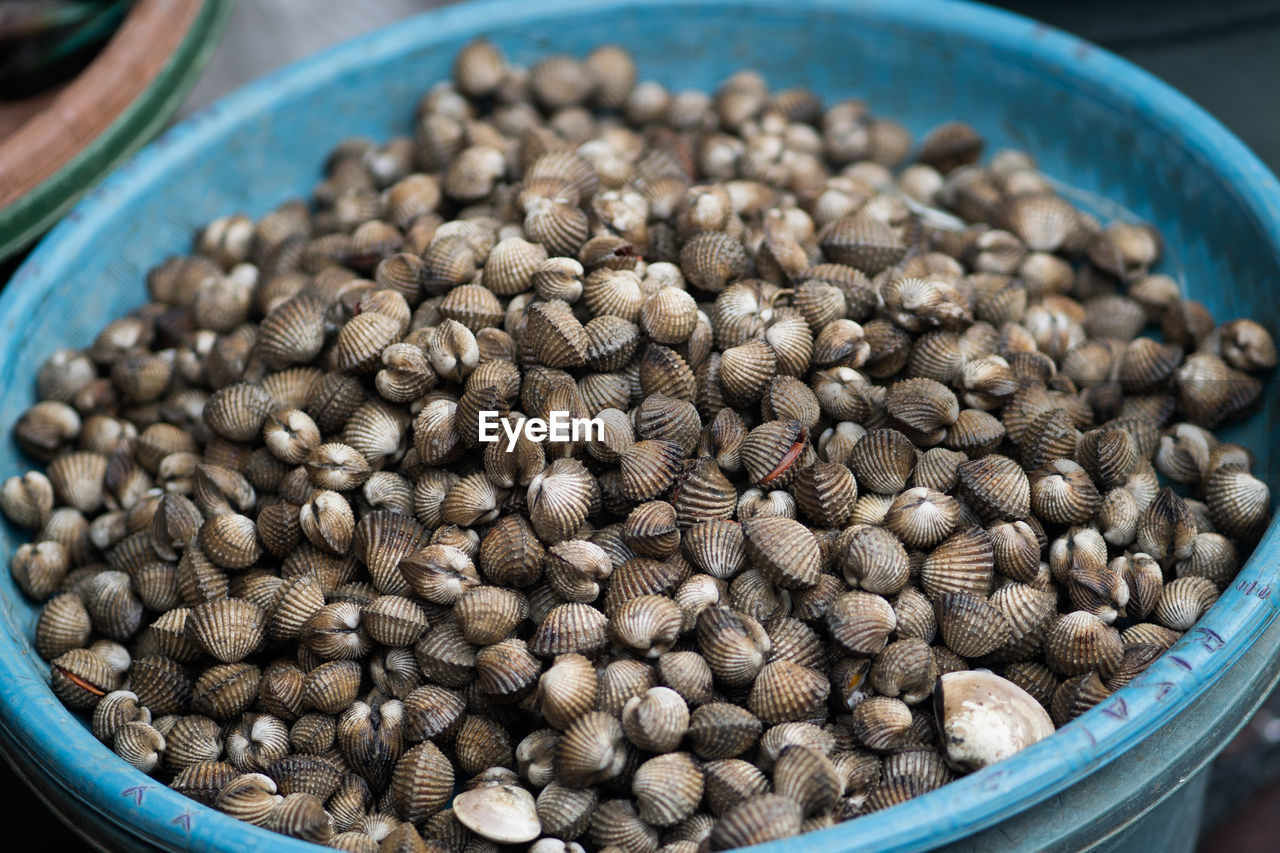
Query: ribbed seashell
[1062,492]
[161,684]
[1080,642]
[363,338]
[559,499]
[720,730]
[472,501]
[1144,579]
[27,500]
[1183,453]
[861,622]
[701,492]
[40,567]
[332,686]
[280,691]
[1213,556]
[555,336]
[746,370]
[663,371]
[570,628]
[615,293]
[788,398]
[611,342]
[567,690]
[333,399]
[203,781]
[574,569]
[305,774]
[734,645]
[381,541]
[713,259]
[922,517]
[592,750]
[1149,633]
[649,468]
[223,691]
[393,620]
[256,741]
[1137,659]
[114,711]
[250,797]
[1075,696]
[970,625]
[883,460]
[615,825]
[905,669]
[335,632]
[914,614]
[421,782]
[506,671]
[372,437]
[441,574]
[730,781]
[480,744]
[77,479]
[1041,220]
[995,486]
[1015,550]
[63,625]
[784,550]
[757,819]
[808,777]
[964,562]
[297,601]
[564,811]
[79,678]
[771,453]
[600,391]
[668,788]
[1239,503]
[1183,601]
[292,332]
[228,629]
[862,242]
[648,625]
[656,722]
[826,492]
[660,417]
[473,306]
[45,429]
[478,68]
[1146,363]
[651,530]
[1245,345]
[881,723]
[873,559]
[326,520]
[669,316]
[716,547]
[785,691]
[488,614]
[620,681]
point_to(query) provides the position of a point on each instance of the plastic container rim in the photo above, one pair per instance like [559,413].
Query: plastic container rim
[970,804]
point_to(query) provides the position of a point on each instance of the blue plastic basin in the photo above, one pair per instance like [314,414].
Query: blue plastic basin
[1090,118]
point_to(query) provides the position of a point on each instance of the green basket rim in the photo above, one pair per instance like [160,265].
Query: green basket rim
[33,213]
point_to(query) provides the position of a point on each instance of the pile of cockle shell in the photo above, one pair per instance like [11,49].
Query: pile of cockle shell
[877,498]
